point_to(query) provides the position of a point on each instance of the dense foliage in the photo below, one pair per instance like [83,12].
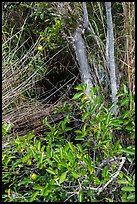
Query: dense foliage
[59,144]
[75,163]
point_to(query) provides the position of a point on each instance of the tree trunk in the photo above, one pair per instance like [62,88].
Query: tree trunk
[80,51]
[110,56]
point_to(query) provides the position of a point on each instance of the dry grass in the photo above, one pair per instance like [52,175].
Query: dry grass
[21,71]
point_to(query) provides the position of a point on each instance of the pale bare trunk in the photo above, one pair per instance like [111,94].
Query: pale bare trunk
[110,56]
[80,51]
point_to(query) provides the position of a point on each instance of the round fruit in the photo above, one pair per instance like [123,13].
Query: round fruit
[33,176]
[29,163]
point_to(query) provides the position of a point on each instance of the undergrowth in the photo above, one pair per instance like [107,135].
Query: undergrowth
[87,158]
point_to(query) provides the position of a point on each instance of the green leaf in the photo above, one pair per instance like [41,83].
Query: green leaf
[85,116]
[129,127]
[130,152]
[87,160]
[30,135]
[51,171]
[131,96]
[79,147]
[64,164]
[62,177]
[125,101]
[3,130]
[80,196]
[75,175]
[68,129]
[34,196]
[41,157]
[131,196]
[25,182]
[45,122]
[6,128]
[46,192]
[128,188]
[63,125]
[79,138]
[77,95]
[123,181]
[81,87]
[78,131]
[38,146]
[70,157]
[105,172]
[72,147]
[56,158]
[42,16]
[39,188]
[108,119]
[125,88]
[120,94]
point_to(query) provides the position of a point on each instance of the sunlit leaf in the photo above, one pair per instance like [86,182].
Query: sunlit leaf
[34,196]
[77,95]
[62,177]
[50,171]
[123,181]
[39,188]
[128,188]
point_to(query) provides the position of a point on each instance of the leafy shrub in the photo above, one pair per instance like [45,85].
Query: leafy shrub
[81,161]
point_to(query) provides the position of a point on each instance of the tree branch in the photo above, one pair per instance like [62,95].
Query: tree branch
[113,177]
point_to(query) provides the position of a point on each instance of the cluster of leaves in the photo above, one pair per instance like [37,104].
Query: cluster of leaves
[45,23]
[70,163]
[41,21]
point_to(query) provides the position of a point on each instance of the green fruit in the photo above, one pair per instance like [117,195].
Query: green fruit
[33,176]
[29,163]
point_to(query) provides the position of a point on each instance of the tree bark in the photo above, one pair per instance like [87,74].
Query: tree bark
[80,51]
[110,56]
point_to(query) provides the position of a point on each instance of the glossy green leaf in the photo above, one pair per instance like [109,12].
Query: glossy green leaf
[125,101]
[51,171]
[105,172]
[128,188]
[39,188]
[75,175]
[72,147]
[41,157]
[45,122]
[80,196]
[77,95]
[131,196]
[78,131]
[129,127]
[62,177]
[79,138]
[123,181]
[79,147]
[81,87]
[38,146]
[130,152]
[46,191]
[70,157]
[30,135]
[34,196]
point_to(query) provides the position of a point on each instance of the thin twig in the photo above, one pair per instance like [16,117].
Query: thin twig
[113,177]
